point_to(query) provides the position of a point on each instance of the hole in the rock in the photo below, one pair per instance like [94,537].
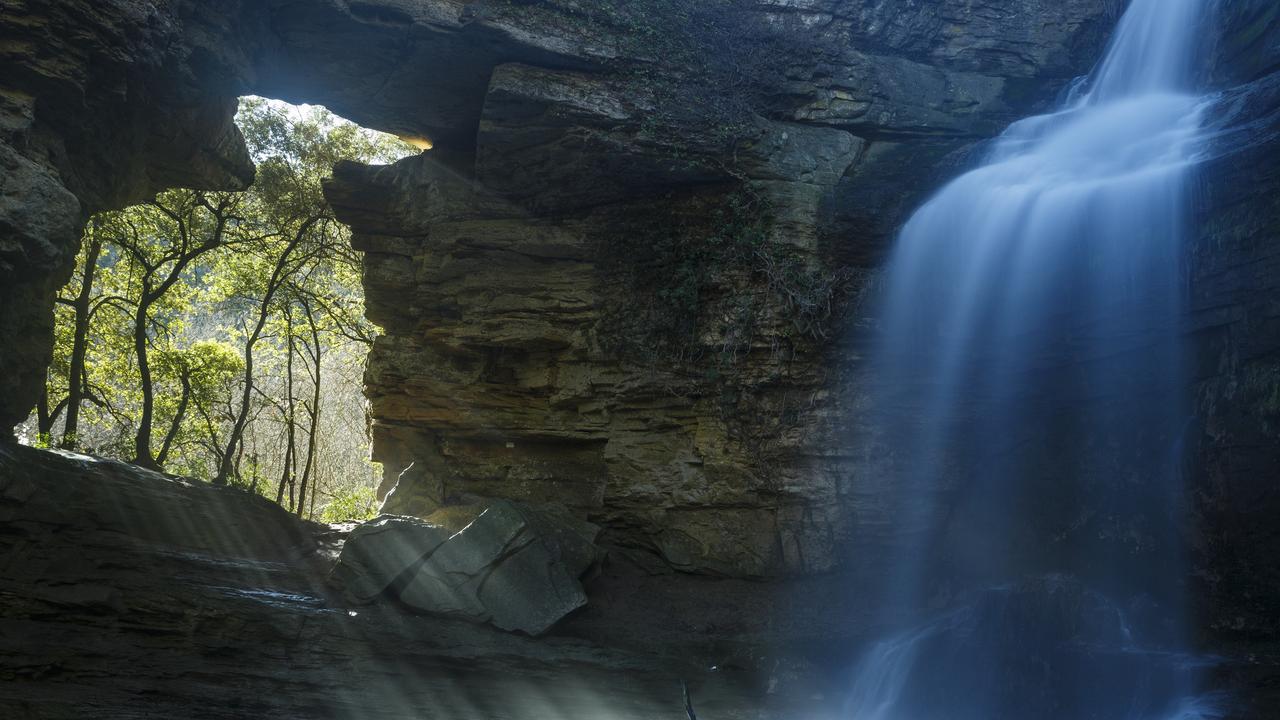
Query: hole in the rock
[221,335]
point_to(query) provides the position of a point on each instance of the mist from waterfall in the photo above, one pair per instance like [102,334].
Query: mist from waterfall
[1030,384]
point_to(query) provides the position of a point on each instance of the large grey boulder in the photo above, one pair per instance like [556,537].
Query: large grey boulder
[382,550]
[513,566]
[530,591]
[450,581]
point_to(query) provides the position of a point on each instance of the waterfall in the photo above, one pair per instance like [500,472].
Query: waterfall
[1030,386]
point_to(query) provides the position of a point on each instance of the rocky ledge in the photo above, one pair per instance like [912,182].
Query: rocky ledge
[128,594]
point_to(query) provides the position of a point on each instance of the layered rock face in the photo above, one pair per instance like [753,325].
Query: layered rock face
[1233,442]
[97,110]
[127,594]
[614,283]
[541,342]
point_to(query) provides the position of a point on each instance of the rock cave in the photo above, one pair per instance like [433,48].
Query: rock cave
[722,368]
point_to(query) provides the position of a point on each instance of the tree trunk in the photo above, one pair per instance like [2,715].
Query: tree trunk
[314,410]
[242,416]
[79,345]
[44,420]
[176,425]
[142,440]
[290,463]
[153,292]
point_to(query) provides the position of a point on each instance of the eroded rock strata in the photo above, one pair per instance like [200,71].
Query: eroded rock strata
[1233,451]
[533,351]
[129,594]
[544,340]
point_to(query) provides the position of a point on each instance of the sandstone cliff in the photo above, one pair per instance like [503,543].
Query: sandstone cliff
[615,282]
[1233,440]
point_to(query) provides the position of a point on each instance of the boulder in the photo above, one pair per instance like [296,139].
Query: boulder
[515,567]
[530,591]
[382,550]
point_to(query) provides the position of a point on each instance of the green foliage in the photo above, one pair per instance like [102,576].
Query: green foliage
[355,503]
[168,295]
[251,477]
[209,365]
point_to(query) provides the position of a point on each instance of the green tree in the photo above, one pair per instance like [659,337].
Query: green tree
[222,335]
[161,240]
[82,307]
[302,244]
[203,373]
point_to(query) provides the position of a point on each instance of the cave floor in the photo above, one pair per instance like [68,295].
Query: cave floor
[126,594]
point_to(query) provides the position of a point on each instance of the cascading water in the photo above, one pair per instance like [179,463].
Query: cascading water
[1030,379]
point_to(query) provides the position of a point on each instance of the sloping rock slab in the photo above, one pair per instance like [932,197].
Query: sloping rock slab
[126,594]
[81,492]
